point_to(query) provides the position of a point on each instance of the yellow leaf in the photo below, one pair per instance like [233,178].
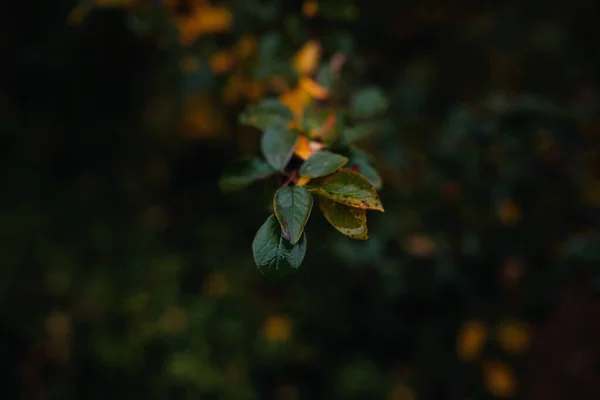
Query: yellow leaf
[314,89]
[302,149]
[277,329]
[297,100]
[302,181]
[499,379]
[307,59]
[471,339]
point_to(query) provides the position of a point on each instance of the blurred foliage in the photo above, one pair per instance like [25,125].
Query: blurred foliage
[127,273]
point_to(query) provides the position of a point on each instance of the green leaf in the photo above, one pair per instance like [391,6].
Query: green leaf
[277,144]
[243,173]
[350,221]
[347,187]
[368,103]
[321,124]
[358,132]
[364,163]
[273,254]
[292,207]
[322,163]
[263,114]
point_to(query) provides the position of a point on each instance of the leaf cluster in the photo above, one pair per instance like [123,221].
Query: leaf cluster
[315,159]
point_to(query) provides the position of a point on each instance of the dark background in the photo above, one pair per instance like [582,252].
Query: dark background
[125,272]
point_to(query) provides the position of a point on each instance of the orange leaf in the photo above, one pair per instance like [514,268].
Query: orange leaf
[307,59]
[314,89]
[302,147]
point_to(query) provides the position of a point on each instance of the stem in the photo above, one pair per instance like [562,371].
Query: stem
[291,179]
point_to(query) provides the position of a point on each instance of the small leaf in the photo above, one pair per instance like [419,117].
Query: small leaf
[273,254]
[350,221]
[321,124]
[347,187]
[243,173]
[292,207]
[364,163]
[263,114]
[368,103]
[322,163]
[277,144]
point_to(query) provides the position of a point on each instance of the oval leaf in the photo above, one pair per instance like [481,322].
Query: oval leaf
[292,207]
[243,173]
[322,163]
[350,221]
[347,187]
[263,114]
[277,144]
[273,254]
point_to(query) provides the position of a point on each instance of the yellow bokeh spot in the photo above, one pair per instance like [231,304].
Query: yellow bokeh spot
[277,329]
[499,379]
[509,212]
[514,336]
[420,246]
[402,392]
[307,59]
[203,20]
[216,285]
[58,325]
[310,8]
[173,320]
[472,336]
[245,47]
[221,62]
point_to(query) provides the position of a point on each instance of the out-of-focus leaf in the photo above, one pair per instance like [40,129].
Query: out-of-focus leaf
[278,143]
[244,173]
[292,207]
[273,254]
[322,163]
[368,103]
[349,188]
[263,114]
[358,132]
[350,221]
